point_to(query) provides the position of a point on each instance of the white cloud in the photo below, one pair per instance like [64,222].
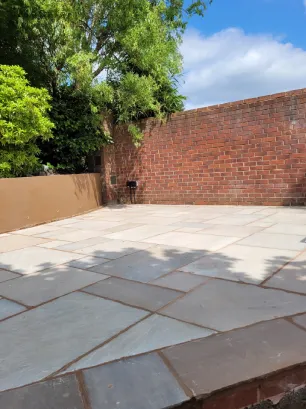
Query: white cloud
[231,65]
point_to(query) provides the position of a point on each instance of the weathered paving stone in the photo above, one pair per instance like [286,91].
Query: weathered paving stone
[135,383]
[225,305]
[14,242]
[136,294]
[226,359]
[7,275]
[202,241]
[48,284]
[114,249]
[292,277]
[301,320]
[60,393]
[275,240]
[41,341]
[241,263]
[8,308]
[33,259]
[179,281]
[149,264]
[153,333]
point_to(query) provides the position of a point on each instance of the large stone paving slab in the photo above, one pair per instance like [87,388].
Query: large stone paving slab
[7,275]
[225,305]
[276,241]
[241,263]
[292,277]
[148,264]
[286,228]
[217,362]
[300,320]
[15,242]
[60,393]
[193,241]
[132,293]
[40,341]
[48,284]
[33,259]
[140,233]
[113,249]
[153,333]
[137,383]
[237,231]
[8,308]
[180,281]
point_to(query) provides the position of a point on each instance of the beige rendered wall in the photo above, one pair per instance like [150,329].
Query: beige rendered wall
[34,200]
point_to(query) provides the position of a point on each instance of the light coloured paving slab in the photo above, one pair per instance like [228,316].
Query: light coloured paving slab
[121,227]
[221,361]
[287,217]
[135,294]
[286,228]
[261,223]
[41,341]
[275,240]
[55,234]
[157,220]
[153,333]
[180,281]
[15,242]
[189,229]
[78,235]
[7,275]
[44,228]
[292,277]
[33,259]
[195,241]
[237,231]
[94,225]
[225,305]
[137,383]
[75,246]
[53,244]
[114,249]
[149,264]
[48,284]
[9,308]
[241,263]
[236,220]
[140,233]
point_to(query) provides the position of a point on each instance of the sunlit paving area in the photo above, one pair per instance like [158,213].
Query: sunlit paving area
[178,300]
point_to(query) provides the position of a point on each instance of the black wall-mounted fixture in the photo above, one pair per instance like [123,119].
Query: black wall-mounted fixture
[132,185]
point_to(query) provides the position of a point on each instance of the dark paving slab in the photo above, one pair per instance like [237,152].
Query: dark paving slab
[136,294]
[137,383]
[300,320]
[60,393]
[225,305]
[149,264]
[223,360]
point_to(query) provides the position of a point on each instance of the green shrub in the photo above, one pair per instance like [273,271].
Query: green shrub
[23,120]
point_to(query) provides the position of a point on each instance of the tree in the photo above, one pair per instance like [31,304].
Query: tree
[23,119]
[119,57]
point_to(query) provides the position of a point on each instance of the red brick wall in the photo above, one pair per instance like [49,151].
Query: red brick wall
[246,152]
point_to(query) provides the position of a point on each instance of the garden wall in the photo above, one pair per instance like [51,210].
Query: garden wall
[246,152]
[34,200]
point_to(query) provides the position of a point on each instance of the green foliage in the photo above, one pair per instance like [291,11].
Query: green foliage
[23,119]
[113,56]
[78,132]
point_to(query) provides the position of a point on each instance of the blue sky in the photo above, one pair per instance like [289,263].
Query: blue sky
[243,49]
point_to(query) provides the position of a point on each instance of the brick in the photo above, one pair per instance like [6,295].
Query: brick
[199,155]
